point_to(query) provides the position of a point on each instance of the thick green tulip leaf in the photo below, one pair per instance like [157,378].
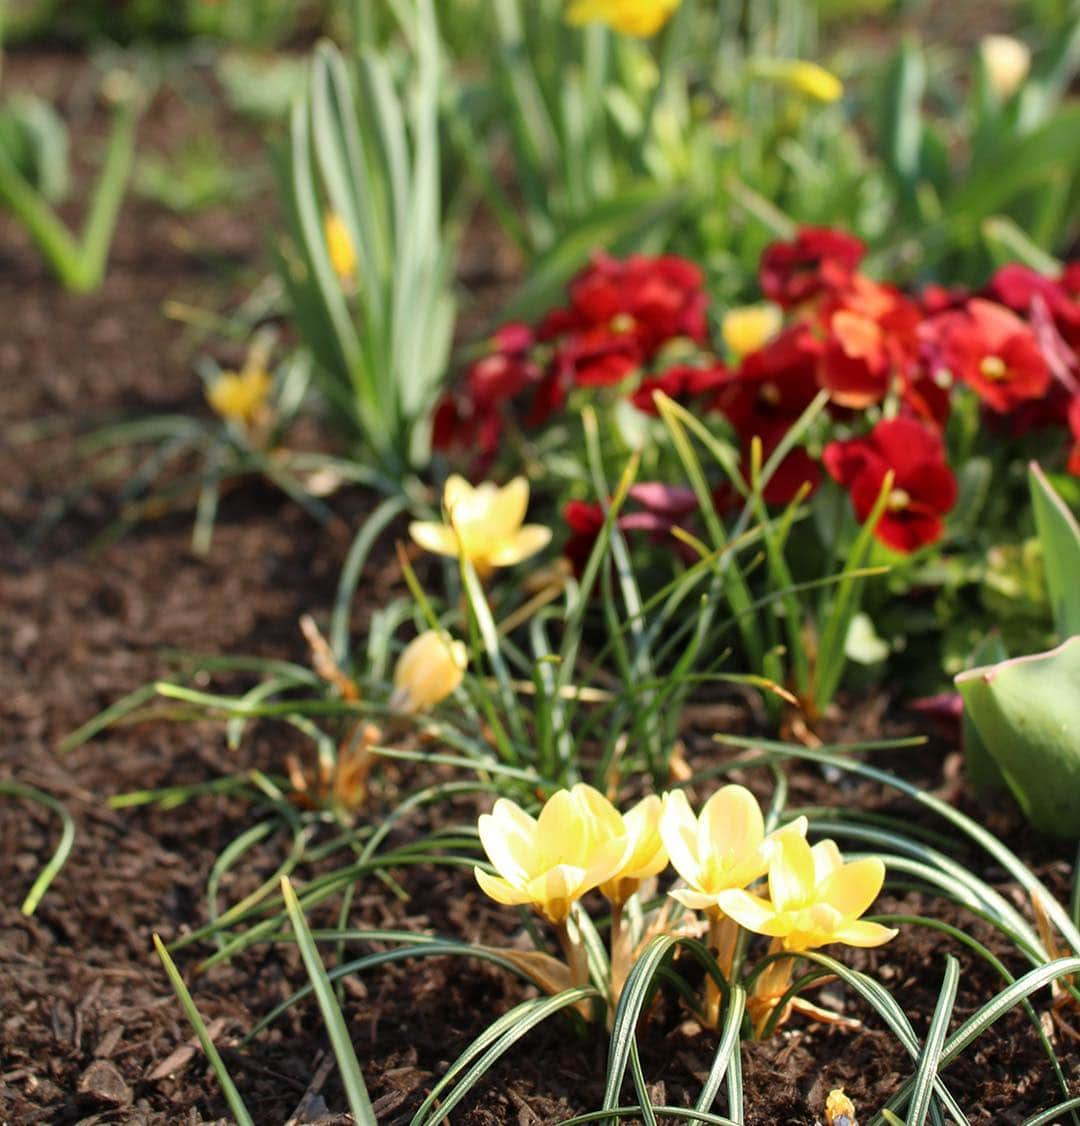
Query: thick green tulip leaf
[1060,537]
[1026,713]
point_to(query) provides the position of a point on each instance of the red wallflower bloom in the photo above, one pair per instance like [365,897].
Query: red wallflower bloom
[683,383]
[816,260]
[923,488]
[991,350]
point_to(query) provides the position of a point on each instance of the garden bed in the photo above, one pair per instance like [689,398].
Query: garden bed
[90,1029]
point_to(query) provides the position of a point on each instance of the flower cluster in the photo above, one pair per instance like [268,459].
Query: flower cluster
[892,364]
[581,842]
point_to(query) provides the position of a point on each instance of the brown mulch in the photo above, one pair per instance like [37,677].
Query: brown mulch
[89,1028]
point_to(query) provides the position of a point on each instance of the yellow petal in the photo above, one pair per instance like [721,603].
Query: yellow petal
[695,900]
[678,830]
[648,855]
[436,538]
[499,890]
[827,860]
[791,873]
[731,824]
[562,833]
[862,933]
[748,910]
[852,888]
[508,508]
[456,491]
[508,835]
[521,545]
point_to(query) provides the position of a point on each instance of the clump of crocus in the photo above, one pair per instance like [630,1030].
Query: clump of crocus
[339,246]
[485,525]
[725,848]
[640,18]
[815,899]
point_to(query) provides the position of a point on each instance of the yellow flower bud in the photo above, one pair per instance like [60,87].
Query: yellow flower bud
[241,396]
[839,1109]
[551,861]
[723,849]
[1007,61]
[640,18]
[484,524]
[339,244]
[430,667]
[814,897]
[801,76]
[750,327]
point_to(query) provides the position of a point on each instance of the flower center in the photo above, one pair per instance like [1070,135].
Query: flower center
[993,367]
[622,323]
[899,499]
[770,394]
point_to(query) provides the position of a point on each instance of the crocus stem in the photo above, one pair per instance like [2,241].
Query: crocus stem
[574,951]
[620,952]
[723,934]
[771,986]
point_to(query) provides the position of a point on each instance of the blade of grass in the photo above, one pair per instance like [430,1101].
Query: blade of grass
[232,1095]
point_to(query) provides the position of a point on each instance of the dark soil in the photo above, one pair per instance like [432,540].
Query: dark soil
[89,1028]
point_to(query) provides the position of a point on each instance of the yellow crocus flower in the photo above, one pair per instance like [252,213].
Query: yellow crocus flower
[726,847]
[750,327]
[640,18]
[801,76]
[547,862]
[430,667]
[815,898]
[484,524]
[839,1109]
[1007,61]
[241,396]
[339,244]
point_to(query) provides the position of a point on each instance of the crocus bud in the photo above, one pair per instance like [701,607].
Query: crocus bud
[750,328]
[430,667]
[1007,61]
[241,396]
[339,244]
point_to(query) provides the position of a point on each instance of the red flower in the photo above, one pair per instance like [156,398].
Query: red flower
[817,260]
[923,487]
[652,299]
[585,522]
[457,427]
[1020,287]
[683,383]
[870,339]
[772,385]
[991,350]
